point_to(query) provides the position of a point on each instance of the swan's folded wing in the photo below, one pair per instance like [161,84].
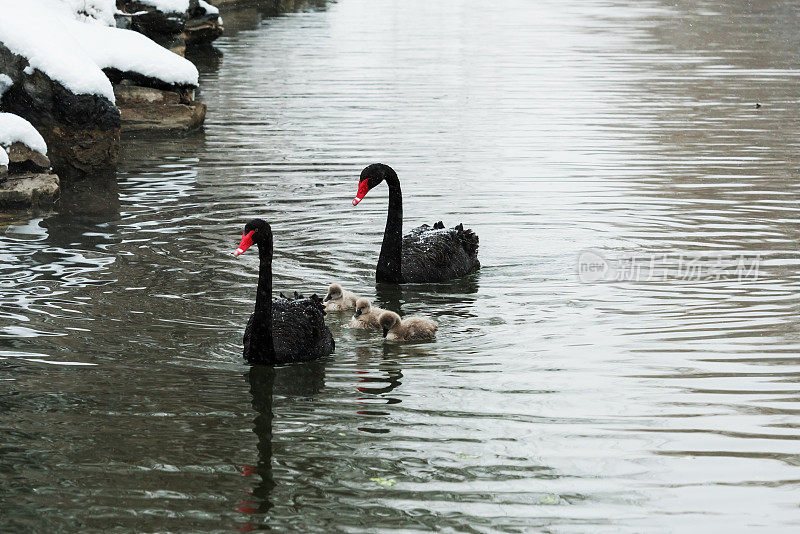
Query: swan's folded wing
[299,329]
[438,254]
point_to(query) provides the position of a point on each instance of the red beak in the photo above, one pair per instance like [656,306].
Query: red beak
[247,242]
[363,189]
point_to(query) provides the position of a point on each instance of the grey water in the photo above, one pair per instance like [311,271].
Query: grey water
[660,398]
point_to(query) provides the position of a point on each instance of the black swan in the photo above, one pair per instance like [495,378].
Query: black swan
[426,254]
[282,330]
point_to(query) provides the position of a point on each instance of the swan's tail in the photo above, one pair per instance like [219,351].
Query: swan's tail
[469,240]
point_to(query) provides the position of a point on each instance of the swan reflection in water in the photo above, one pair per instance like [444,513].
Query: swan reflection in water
[456,296]
[299,380]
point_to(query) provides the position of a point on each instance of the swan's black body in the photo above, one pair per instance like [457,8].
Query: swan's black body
[282,330]
[426,254]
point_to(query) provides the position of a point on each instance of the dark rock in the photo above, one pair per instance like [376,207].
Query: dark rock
[150,21]
[173,31]
[202,30]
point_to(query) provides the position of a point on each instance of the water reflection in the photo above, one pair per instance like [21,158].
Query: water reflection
[95,195]
[250,16]
[301,380]
[261,381]
[455,298]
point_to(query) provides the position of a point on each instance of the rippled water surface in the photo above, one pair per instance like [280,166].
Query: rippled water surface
[655,402]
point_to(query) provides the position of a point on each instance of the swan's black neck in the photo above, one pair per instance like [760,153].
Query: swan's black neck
[262,348]
[389,268]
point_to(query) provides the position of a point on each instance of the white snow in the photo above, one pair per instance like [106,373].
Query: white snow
[15,129]
[32,31]
[126,50]
[101,11]
[94,11]
[5,84]
[73,53]
[3,158]
[211,10]
[168,6]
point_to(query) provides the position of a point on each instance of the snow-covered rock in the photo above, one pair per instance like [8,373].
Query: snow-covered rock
[24,167]
[126,51]
[66,67]
[58,87]
[159,22]
[204,24]
[167,6]
[36,33]
[174,24]
[15,129]
[73,53]
[208,8]
[24,146]
[5,84]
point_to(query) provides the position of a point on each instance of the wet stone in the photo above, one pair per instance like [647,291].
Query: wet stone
[28,190]
[148,109]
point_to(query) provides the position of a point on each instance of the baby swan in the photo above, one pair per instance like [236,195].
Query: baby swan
[339,299]
[408,329]
[366,315]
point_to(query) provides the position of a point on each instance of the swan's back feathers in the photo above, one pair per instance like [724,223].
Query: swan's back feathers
[437,254]
[299,332]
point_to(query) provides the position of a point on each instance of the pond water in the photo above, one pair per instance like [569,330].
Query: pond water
[663,397]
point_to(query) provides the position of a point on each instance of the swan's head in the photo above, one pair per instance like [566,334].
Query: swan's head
[388,320]
[257,231]
[334,293]
[362,306]
[371,176]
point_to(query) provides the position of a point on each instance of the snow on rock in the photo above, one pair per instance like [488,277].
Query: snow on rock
[130,51]
[210,10]
[5,84]
[32,31]
[15,129]
[3,162]
[167,6]
[101,11]
[94,11]
[73,53]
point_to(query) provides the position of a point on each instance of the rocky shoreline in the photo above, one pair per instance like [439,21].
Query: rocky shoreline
[80,76]
[84,72]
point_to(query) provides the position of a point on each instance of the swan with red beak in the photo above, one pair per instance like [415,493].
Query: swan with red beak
[427,253]
[282,330]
